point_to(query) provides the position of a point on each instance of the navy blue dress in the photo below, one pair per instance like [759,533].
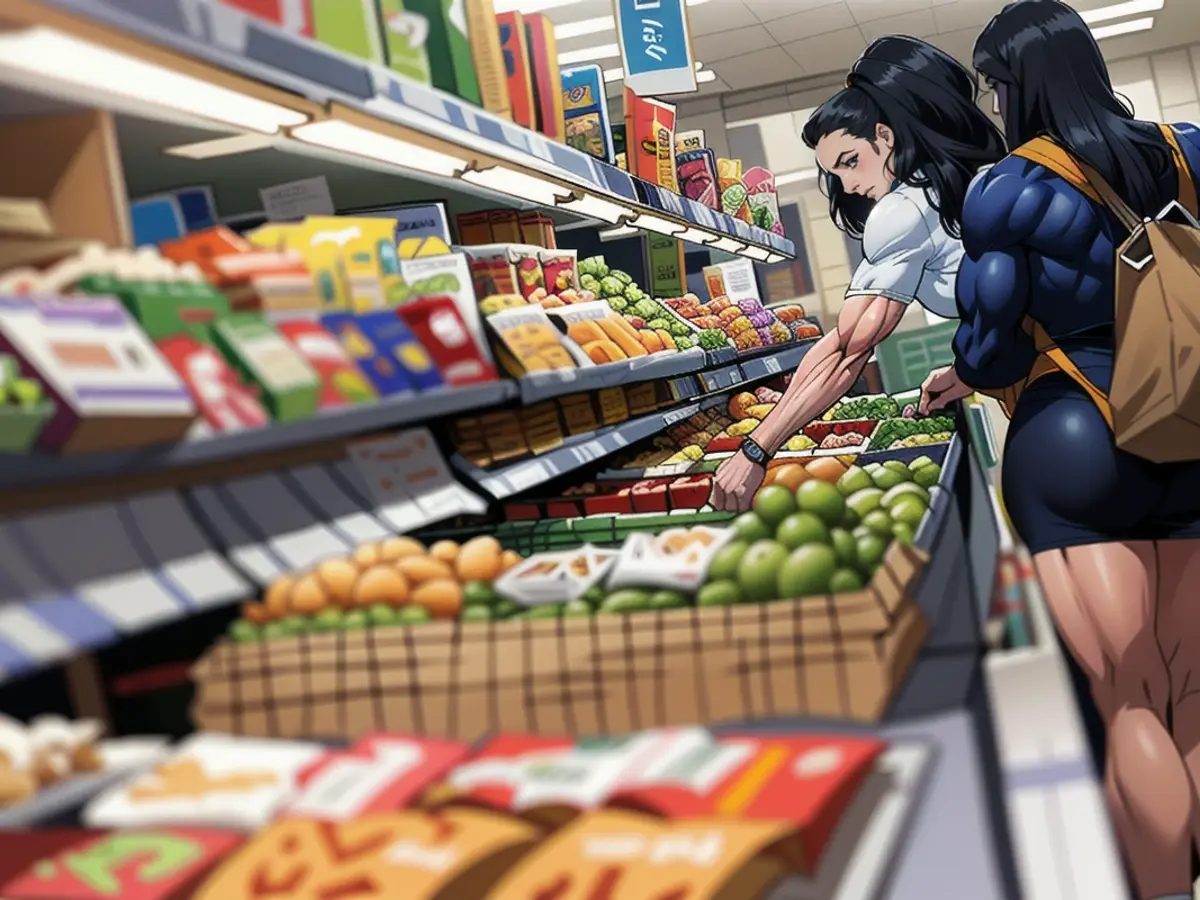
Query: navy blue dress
[1035,245]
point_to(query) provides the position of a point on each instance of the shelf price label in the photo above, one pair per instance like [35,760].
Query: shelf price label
[656,46]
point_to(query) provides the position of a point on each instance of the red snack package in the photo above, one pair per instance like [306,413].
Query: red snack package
[342,382]
[223,400]
[439,326]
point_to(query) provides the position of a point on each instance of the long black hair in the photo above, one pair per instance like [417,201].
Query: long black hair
[929,101]
[1057,85]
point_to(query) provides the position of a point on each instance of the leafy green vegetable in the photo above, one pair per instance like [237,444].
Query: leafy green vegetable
[712,339]
[623,277]
[611,287]
[683,343]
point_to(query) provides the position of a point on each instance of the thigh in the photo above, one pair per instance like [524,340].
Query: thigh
[1178,621]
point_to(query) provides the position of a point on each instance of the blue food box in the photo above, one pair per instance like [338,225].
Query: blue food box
[383,346]
[585,109]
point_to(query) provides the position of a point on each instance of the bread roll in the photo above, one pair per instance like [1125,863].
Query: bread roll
[395,548]
[381,584]
[277,599]
[367,555]
[308,596]
[337,577]
[419,569]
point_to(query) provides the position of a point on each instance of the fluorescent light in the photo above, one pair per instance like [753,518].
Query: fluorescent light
[58,57]
[333,134]
[793,177]
[1119,28]
[226,146]
[596,208]
[728,245]
[616,234]
[589,54]
[1121,10]
[657,224]
[516,184]
[759,253]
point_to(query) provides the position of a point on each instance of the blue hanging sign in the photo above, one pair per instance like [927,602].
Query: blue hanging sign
[656,46]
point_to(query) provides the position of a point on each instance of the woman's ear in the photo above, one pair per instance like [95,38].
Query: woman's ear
[884,135]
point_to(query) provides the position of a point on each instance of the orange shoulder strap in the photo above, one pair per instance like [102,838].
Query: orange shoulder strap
[1048,154]
[1187,185]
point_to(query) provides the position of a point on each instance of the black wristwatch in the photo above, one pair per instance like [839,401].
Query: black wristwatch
[753,452]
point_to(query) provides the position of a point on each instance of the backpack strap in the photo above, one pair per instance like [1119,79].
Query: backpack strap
[1049,155]
[1187,184]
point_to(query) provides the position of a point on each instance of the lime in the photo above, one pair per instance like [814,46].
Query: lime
[273,631]
[506,609]
[908,489]
[903,532]
[920,462]
[594,595]
[854,479]
[294,624]
[888,478]
[845,580]
[382,614]
[801,528]
[822,499]
[928,475]
[879,522]
[758,572]
[725,563]
[845,546]
[773,504]
[851,519]
[667,600]
[898,467]
[749,527]
[578,607]
[413,615]
[909,510]
[807,571]
[328,620]
[719,593]
[864,501]
[628,600]
[861,531]
[478,593]
[871,548]
[544,611]
[476,614]
[243,632]
[872,468]
[356,618]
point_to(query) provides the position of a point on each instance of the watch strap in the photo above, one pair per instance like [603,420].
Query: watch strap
[754,452]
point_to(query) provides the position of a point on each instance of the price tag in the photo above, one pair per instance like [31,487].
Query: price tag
[772,364]
[678,415]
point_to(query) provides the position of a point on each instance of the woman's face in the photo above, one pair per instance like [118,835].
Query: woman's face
[999,95]
[864,166]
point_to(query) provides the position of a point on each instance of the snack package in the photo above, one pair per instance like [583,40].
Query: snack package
[620,153]
[321,250]
[763,199]
[342,382]
[733,192]
[351,26]
[517,69]
[650,140]
[687,141]
[585,109]
[627,856]
[450,61]
[560,270]
[385,349]
[380,773]
[439,324]
[698,176]
[678,558]
[385,856]
[446,275]
[225,403]
[547,85]
[132,865]
[484,33]
[404,35]
[413,221]
[555,577]
[211,780]
[288,387]
[531,342]
[507,269]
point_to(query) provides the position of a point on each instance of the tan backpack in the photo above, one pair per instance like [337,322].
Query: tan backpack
[1153,405]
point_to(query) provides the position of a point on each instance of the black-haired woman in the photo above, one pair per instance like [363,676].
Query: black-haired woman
[1114,537]
[896,150]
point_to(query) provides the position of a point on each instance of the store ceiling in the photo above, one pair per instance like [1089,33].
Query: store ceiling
[754,43]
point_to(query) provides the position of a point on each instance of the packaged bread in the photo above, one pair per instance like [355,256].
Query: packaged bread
[532,342]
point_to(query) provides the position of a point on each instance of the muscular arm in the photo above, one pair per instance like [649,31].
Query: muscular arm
[831,367]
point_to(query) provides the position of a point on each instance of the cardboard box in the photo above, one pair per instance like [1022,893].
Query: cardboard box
[537,229]
[650,140]
[225,403]
[342,382]
[505,225]
[289,388]
[530,677]
[490,70]
[404,47]
[587,126]
[516,68]
[473,229]
[449,47]
[415,220]
[385,349]
[547,85]
[111,387]
[351,26]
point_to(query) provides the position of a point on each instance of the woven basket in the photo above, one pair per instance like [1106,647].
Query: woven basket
[840,656]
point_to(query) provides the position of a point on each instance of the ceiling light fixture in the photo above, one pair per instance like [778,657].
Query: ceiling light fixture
[589,54]
[1121,10]
[516,184]
[1115,30]
[595,208]
[225,146]
[333,134]
[58,57]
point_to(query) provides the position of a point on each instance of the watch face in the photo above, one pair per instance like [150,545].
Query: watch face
[753,452]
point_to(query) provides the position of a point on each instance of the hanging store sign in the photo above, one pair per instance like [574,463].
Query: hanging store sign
[656,46]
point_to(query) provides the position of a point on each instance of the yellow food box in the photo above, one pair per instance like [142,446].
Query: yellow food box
[641,398]
[504,436]
[613,406]
[532,343]
[578,414]
[541,427]
[468,437]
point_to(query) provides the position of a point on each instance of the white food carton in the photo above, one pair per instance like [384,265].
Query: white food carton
[677,559]
[547,578]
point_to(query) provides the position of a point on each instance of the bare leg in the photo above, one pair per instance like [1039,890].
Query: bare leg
[1179,637]
[1103,598]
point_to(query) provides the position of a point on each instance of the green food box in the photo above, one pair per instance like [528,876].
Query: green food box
[351,26]
[289,388]
[404,40]
[449,47]
[164,309]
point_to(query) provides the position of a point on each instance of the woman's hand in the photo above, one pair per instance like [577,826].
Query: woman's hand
[941,388]
[735,484]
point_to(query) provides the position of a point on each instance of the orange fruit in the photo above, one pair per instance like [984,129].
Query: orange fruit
[790,475]
[826,468]
[443,597]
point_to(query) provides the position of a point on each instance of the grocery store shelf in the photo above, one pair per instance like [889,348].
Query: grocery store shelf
[412,127]
[577,452]
[38,470]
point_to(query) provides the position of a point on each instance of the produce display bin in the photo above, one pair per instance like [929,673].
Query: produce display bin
[20,426]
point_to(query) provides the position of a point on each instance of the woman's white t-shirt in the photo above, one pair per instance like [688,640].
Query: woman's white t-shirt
[907,254]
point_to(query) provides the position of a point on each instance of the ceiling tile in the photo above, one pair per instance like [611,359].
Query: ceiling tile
[915,24]
[833,52]
[869,10]
[833,17]
[713,47]
[723,15]
[765,66]
[963,14]
[769,10]
[959,44]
